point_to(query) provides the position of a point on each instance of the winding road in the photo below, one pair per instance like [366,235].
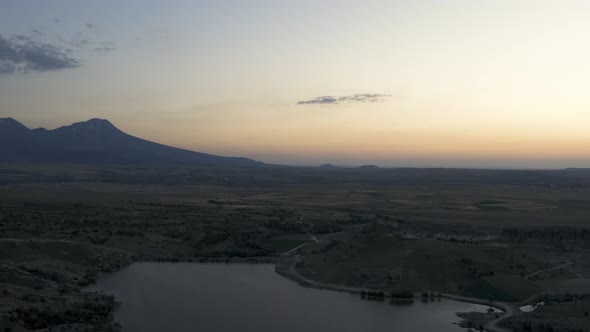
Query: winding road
[548,270]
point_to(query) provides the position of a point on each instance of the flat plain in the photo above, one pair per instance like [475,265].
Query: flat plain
[493,235]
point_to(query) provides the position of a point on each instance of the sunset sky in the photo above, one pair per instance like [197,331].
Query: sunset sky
[392,83]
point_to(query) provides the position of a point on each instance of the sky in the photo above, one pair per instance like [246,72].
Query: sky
[485,84]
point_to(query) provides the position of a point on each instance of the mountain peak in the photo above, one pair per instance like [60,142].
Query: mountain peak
[97,120]
[94,124]
[10,123]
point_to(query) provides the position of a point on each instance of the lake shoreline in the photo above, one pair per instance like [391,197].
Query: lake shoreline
[286,267]
[118,286]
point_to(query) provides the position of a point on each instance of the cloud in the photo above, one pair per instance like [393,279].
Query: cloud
[357,98]
[37,32]
[20,54]
[319,100]
[104,49]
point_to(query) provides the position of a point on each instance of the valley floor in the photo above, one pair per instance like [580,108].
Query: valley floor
[497,243]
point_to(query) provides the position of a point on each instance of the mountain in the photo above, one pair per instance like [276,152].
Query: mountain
[96,141]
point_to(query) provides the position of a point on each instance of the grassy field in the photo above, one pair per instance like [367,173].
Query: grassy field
[391,263]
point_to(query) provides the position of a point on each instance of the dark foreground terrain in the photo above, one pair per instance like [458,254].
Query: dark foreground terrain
[506,238]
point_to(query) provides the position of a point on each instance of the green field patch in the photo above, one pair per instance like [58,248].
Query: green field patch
[285,243]
[578,310]
[490,202]
[513,285]
[479,288]
[492,208]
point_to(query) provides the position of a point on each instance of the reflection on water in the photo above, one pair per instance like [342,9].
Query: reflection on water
[241,297]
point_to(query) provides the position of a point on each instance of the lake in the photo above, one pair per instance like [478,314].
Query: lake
[243,297]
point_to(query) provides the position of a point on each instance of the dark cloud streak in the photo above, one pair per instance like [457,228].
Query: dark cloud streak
[357,98]
[37,32]
[21,54]
[104,49]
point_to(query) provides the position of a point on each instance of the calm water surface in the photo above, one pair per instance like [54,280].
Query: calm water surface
[241,297]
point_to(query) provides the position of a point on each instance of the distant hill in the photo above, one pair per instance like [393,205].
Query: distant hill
[328,166]
[368,167]
[96,141]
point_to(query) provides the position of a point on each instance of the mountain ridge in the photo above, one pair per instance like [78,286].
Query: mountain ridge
[96,141]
